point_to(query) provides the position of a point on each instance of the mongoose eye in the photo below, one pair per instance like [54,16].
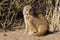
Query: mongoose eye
[30,10]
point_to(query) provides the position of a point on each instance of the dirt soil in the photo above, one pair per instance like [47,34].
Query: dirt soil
[19,35]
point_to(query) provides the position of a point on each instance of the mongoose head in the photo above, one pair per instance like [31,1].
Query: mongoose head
[28,10]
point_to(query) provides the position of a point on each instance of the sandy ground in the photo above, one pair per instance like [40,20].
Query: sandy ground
[19,35]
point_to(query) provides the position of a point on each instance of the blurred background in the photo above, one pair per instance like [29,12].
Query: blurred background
[11,13]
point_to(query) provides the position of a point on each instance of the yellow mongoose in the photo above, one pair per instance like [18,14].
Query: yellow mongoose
[37,26]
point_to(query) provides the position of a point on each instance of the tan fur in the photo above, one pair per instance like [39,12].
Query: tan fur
[35,25]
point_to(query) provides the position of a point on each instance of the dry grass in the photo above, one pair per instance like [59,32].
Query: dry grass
[9,9]
[53,15]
